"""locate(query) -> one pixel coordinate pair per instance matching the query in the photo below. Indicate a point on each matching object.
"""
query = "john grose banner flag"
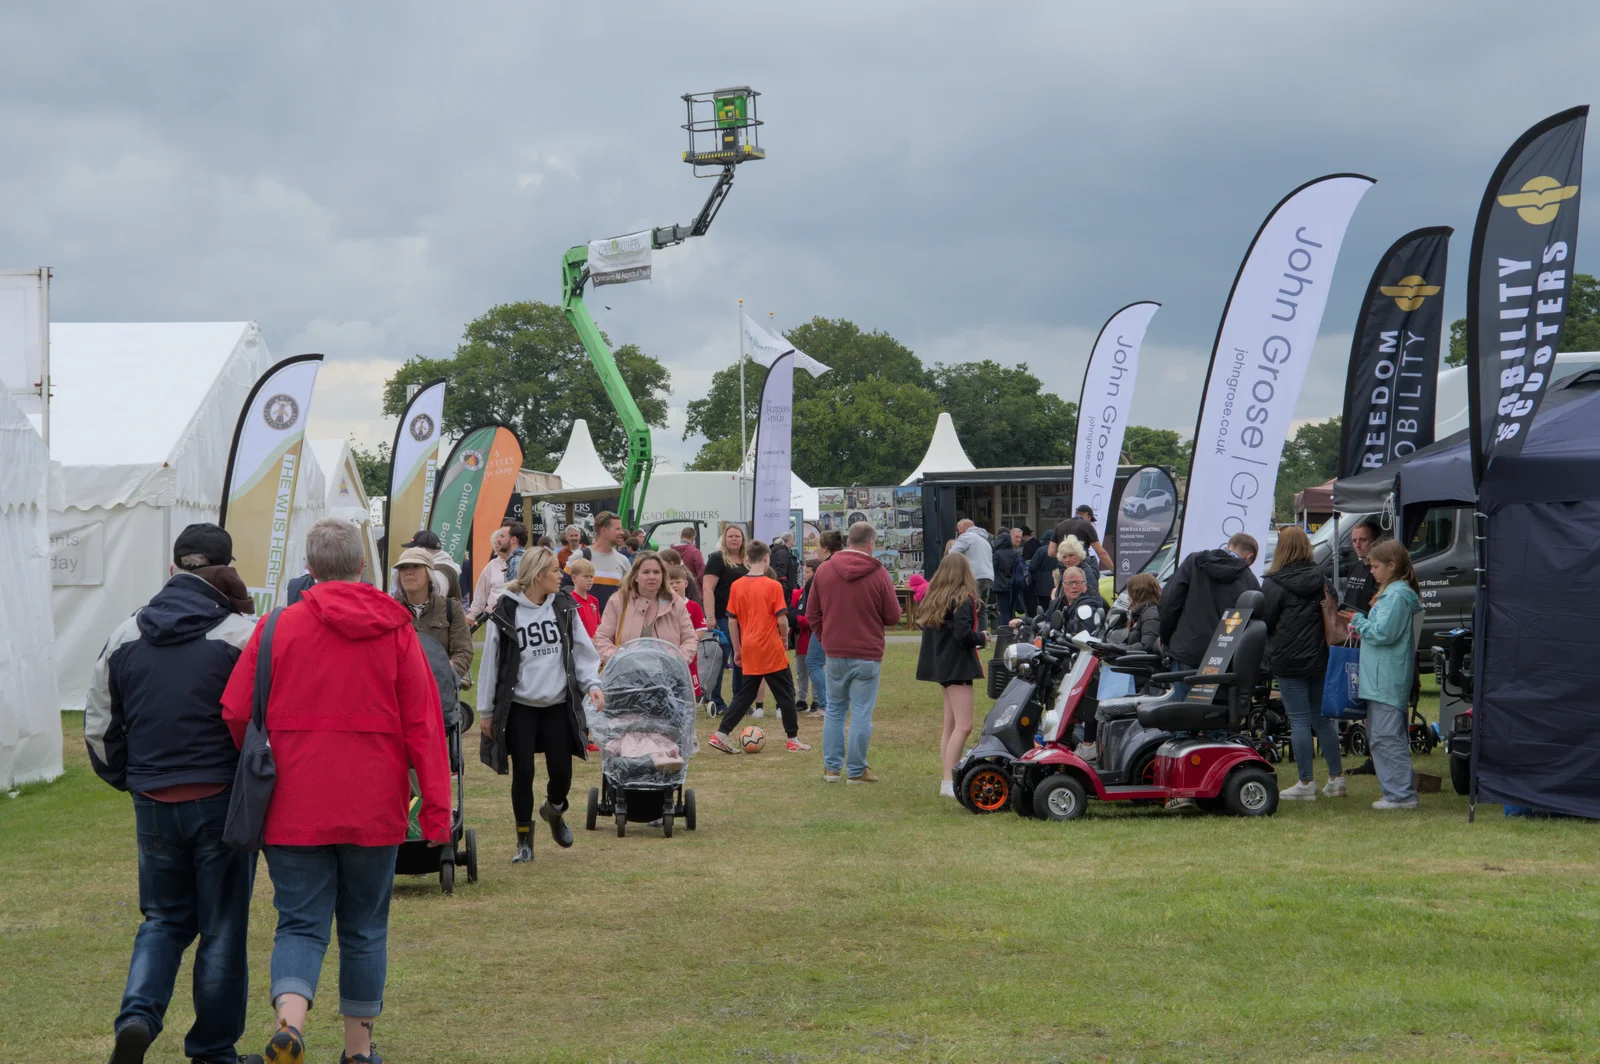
(1258, 362)
(1524, 248)
(1392, 386)
(413, 463)
(1103, 404)
(262, 473)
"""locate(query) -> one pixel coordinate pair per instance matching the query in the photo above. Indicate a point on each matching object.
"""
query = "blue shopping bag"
(1341, 687)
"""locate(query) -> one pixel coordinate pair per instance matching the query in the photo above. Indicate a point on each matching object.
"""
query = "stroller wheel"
(688, 809)
(472, 855)
(447, 877)
(593, 812)
(622, 825)
(666, 826)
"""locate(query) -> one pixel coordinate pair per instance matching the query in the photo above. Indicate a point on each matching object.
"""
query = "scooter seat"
(1117, 709)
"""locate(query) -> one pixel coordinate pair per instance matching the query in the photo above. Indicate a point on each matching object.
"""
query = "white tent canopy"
(945, 453)
(30, 722)
(580, 468)
(141, 420)
(803, 497)
(345, 497)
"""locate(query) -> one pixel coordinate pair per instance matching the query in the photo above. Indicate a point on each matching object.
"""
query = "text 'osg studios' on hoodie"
(541, 674)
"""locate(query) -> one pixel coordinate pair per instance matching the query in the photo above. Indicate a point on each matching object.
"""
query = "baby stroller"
(416, 857)
(646, 738)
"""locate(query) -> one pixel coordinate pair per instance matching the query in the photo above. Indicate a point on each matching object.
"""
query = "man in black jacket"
(1207, 583)
(153, 725)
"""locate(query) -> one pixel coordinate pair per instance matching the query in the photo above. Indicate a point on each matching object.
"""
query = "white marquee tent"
(30, 721)
(945, 453)
(345, 496)
(141, 420)
(580, 468)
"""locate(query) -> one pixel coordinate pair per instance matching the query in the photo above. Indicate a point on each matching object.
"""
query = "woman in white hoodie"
(538, 663)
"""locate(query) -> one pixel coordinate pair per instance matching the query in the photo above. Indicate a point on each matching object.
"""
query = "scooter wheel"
(1250, 792)
(1059, 797)
(1460, 774)
(985, 788)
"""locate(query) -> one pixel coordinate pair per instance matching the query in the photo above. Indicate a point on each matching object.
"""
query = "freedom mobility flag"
(1393, 382)
(263, 469)
(1103, 404)
(1145, 513)
(1524, 248)
(1258, 362)
(413, 462)
(494, 495)
(456, 490)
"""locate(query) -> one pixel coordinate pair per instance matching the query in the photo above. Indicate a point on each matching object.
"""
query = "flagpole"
(744, 441)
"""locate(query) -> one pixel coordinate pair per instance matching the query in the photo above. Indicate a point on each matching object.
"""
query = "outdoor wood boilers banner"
(1524, 249)
(494, 495)
(1103, 405)
(1393, 385)
(456, 491)
(1259, 362)
(263, 470)
(414, 461)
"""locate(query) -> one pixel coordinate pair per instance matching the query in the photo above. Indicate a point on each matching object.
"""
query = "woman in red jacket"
(353, 708)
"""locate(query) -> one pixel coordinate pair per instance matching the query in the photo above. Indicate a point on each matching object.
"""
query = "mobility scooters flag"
(263, 469)
(1524, 250)
(1103, 404)
(1258, 362)
(1393, 382)
(413, 463)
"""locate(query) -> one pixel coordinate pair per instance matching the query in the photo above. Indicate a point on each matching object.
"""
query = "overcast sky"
(979, 180)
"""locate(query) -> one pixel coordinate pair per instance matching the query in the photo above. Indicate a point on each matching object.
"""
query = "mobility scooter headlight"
(1017, 653)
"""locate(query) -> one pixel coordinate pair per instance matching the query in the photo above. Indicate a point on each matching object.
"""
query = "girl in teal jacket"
(1387, 658)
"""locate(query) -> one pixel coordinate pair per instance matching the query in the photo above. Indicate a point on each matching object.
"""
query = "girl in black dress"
(951, 641)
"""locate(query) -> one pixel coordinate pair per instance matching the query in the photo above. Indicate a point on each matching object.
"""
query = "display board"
(895, 510)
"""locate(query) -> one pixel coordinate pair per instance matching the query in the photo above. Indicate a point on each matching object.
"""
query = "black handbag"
(256, 774)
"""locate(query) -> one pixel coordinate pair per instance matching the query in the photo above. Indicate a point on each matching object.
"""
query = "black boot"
(558, 826)
(132, 1039)
(524, 844)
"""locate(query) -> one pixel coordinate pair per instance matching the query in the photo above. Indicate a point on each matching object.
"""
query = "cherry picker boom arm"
(574, 276)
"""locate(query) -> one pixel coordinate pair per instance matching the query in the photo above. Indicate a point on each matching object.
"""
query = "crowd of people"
(345, 680)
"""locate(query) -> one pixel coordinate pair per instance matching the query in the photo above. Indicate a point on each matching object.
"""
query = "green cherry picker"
(723, 132)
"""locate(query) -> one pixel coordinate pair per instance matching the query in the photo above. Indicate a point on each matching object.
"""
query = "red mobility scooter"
(1219, 774)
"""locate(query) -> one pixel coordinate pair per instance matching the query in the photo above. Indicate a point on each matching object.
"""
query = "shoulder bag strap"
(264, 670)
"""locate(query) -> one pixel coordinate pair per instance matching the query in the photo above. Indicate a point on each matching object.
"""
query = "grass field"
(812, 922)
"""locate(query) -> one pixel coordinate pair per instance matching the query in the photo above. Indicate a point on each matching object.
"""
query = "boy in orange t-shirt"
(758, 628)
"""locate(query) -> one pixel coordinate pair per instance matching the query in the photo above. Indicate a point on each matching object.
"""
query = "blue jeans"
(852, 687)
(816, 664)
(1180, 690)
(727, 667)
(313, 884)
(1389, 739)
(1302, 701)
(191, 884)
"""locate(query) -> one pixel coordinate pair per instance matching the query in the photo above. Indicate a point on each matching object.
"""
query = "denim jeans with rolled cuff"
(313, 886)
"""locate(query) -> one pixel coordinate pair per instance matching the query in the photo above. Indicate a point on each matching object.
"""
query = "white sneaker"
(1304, 791)
(947, 789)
(1335, 788)
(1384, 803)
(760, 713)
(1180, 804)
(1088, 751)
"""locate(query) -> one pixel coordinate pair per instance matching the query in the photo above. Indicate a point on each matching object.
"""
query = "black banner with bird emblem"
(1392, 386)
(1524, 248)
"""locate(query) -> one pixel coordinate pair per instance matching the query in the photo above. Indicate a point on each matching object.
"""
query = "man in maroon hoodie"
(852, 600)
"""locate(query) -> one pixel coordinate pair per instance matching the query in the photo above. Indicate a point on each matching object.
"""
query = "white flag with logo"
(1259, 363)
(774, 453)
(263, 471)
(765, 347)
(620, 259)
(414, 462)
(1103, 405)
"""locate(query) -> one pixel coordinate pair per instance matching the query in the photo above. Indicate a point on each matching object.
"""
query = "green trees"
(522, 363)
(1310, 456)
(1163, 447)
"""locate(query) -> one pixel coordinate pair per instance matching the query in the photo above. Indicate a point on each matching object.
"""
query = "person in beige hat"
(433, 614)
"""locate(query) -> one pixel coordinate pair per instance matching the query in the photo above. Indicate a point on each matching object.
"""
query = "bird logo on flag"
(1540, 199)
(1409, 292)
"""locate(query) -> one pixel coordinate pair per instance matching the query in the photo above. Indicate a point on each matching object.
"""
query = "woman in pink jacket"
(645, 607)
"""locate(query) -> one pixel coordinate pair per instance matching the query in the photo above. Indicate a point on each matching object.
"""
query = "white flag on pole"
(764, 346)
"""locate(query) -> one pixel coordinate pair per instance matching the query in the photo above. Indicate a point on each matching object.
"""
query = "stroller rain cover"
(646, 730)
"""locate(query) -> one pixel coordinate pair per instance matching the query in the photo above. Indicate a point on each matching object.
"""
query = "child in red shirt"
(678, 582)
(581, 570)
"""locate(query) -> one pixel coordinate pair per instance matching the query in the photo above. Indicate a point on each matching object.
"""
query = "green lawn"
(814, 922)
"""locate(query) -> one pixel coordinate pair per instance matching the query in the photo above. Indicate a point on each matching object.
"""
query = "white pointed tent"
(945, 453)
(141, 420)
(580, 468)
(345, 497)
(30, 718)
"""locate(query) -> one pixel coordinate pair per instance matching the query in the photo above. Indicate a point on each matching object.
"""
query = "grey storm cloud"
(981, 181)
